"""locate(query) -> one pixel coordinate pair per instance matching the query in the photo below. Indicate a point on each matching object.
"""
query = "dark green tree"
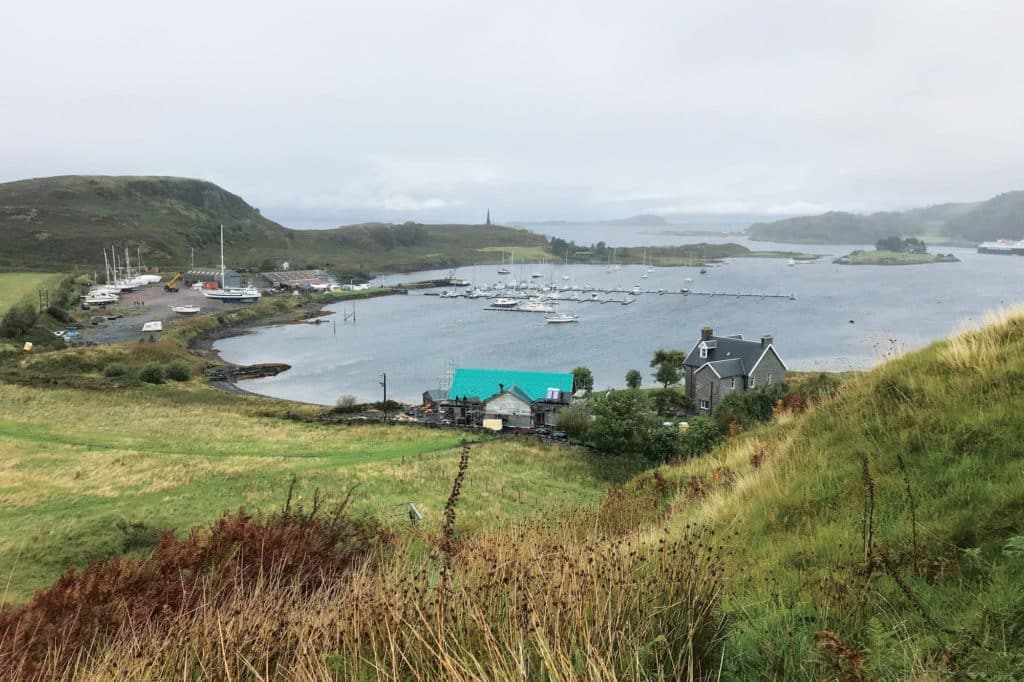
(583, 378)
(633, 378)
(667, 375)
(669, 364)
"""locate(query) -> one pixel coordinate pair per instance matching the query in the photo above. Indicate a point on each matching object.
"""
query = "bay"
(843, 317)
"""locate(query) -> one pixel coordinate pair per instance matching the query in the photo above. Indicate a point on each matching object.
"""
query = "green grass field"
(76, 465)
(14, 286)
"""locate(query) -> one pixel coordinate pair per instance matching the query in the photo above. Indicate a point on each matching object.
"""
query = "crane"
(172, 284)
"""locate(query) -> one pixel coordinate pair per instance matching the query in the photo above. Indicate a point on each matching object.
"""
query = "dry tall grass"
(561, 598)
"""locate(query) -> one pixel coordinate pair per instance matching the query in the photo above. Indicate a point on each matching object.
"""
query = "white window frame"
(769, 377)
(732, 383)
(752, 381)
(705, 404)
(703, 352)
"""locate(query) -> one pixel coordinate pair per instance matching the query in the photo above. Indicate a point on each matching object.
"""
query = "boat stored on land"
(230, 294)
(155, 326)
(185, 309)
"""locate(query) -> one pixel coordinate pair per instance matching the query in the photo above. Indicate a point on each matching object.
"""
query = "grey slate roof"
(732, 367)
(727, 348)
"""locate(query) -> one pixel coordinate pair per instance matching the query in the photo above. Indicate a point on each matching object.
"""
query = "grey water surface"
(843, 317)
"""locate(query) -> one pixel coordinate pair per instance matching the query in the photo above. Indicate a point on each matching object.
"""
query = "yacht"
(636, 290)
(561, 318)
(504, 304)
(231, 294)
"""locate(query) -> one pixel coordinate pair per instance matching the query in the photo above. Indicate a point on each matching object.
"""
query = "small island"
(896, 251)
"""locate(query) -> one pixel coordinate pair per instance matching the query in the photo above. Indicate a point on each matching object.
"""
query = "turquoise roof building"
(481, 384)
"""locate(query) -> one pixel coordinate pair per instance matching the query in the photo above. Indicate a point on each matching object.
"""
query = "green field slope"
(66, 221)
(79, 468)
(16, 286)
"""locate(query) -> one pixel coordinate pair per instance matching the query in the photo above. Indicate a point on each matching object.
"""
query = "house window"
(769, 378)
(705, 405)
(704, 351)
(752, 382)
(732, 383)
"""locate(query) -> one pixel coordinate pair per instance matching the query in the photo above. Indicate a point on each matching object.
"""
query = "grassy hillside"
(879, 535)
(882, 535)
(968, 223)
(66, 221)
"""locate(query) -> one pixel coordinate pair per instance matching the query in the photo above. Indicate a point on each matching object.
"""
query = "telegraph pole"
(384, 383)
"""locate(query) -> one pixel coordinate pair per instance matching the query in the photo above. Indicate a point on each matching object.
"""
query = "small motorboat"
(703, 271)
(185, 309)
(156, 326)
(561, 318)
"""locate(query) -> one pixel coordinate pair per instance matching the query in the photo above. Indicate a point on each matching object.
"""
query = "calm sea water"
(844, 317)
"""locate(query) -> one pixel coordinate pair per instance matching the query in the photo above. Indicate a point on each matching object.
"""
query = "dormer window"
(703, 351)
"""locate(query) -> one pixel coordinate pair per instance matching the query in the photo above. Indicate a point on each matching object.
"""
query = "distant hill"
(999, 217)
(66, 221)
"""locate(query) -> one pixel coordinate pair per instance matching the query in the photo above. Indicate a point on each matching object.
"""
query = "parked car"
(542, 431)
(96, 319)
(560, 435)
(410, 412)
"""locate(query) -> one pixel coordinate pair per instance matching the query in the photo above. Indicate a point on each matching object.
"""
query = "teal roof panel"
(483, 383)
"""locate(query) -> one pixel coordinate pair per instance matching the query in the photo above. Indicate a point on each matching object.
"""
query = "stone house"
(720, 365)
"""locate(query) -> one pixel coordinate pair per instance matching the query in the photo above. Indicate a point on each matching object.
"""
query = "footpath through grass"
(95, 474)
(14, 286)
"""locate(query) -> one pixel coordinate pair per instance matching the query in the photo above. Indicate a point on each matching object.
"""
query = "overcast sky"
(324, 112)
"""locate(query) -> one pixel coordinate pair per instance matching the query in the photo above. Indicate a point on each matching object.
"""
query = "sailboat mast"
(222, 283)
(106, 267)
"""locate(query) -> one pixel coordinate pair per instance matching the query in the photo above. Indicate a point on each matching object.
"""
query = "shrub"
(670, 401)
(574, 421)
(115, 369)
(621, 422)
(346, 403)
(702, 435)
(18, 320)
(749, 408)
(663, 445)
(178, 370)
(152, 373)
(58, 314)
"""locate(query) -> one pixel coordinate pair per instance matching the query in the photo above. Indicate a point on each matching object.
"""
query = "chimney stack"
(766, 340)
(705, 333)
(501, 388)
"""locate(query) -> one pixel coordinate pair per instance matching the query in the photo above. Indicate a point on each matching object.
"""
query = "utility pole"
(384, 383)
